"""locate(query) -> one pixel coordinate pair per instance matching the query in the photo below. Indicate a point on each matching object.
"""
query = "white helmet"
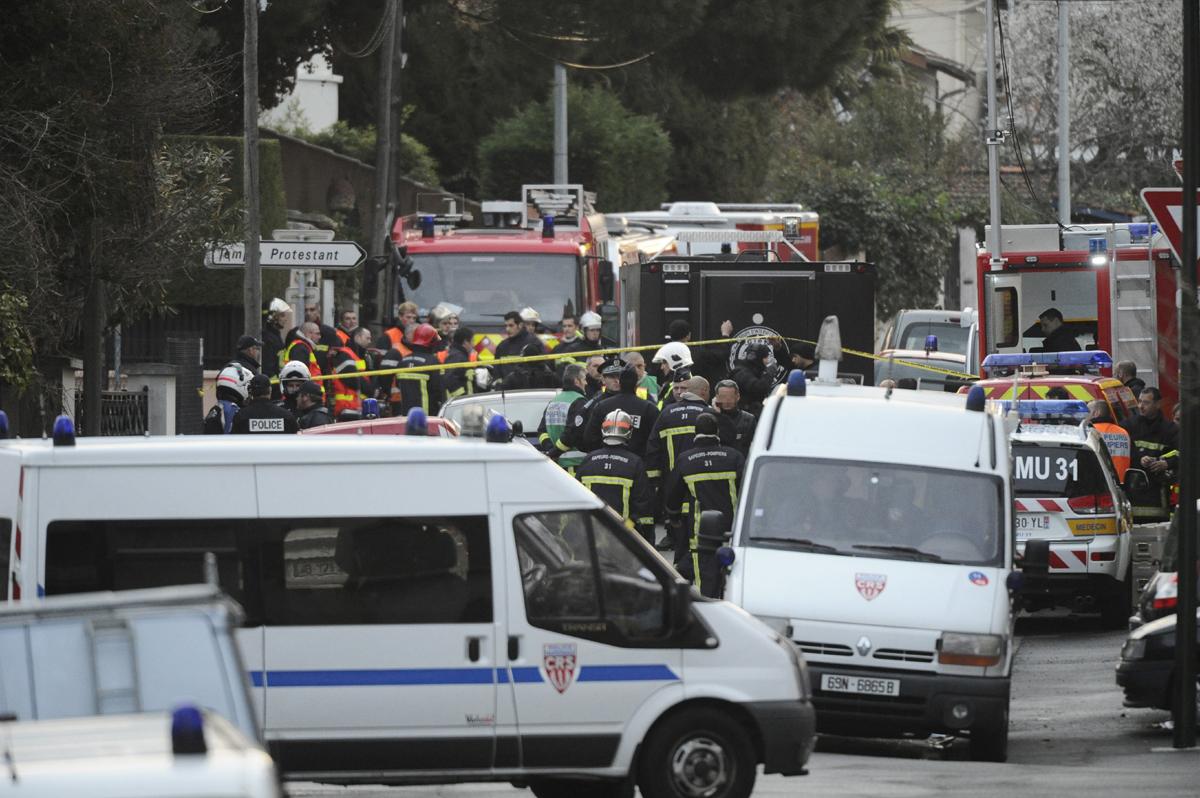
(529, 314)
(675, 354)
(278, 306)
(293, 374)
(589, 320)
(232, 383)
(617, 428)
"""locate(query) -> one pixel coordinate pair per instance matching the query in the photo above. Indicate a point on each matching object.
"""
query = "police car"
(1066, 492)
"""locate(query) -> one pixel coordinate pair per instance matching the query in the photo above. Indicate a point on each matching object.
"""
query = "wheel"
(581, 788)
(699, 753)
(990, 743)
(1117, 605)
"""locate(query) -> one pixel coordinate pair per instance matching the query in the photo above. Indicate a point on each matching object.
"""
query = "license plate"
(864, 685)
(1028, 523)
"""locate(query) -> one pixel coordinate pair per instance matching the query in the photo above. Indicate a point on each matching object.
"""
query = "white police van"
(875, 530)
(422, 610)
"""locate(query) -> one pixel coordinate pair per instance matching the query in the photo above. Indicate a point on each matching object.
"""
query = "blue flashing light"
(1086, 359)
(1142, 231)
(3, 424)
(427, 226)
(187, 731)
(417, 423)
(726, 556)
(548, 226)
(797, 384)
(498, 430)
(370, 407)
(1065, 409)
(931, 344)
(976, 398)
(64, 431)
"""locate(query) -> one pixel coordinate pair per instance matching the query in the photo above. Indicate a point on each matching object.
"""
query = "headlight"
(956, 648)
(1134, 649)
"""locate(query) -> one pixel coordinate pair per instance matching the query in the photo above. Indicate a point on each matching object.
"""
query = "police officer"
(565, 405)
(249, 352)
(674, 362)
(310, 407)
(752, 378)
(736, 425)
(706, 477)
(574, 436)
(618, 476)
(534, 374)
(291, 377)
(421, 389)
(261, 415)
(232, 385)
(1152, 435)
(642, 413)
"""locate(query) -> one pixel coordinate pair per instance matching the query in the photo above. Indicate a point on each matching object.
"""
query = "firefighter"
(709, 361)
(304, 348)
(706, 477)
(1056, 337)
(277, 321)
(423, 389)
(736, 426)
(648, 383)
(565, 405)
(672, 433)
(618, 476)
(1152, 435)
(291, 377)
(262, 416)
(674, 360)
(347, 324)
(460, 381)
(1115, 437)
(642, 413)
(349, 390)
(592, 339)
(406, 321)
(232, 385)
(752, 378)
(1126, 372)
(310, 406)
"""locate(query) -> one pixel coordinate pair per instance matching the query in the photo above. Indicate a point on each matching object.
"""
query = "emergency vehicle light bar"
(1064, 409)
(730, 235)
(1087, 359)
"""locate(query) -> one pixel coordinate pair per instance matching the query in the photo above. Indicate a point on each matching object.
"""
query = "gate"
(121, 413)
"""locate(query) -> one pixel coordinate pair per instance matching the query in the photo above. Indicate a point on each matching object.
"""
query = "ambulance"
(446, 611)
(875, 530)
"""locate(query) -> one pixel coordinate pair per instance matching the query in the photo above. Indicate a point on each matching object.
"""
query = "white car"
(1065, 491)
(524, 406)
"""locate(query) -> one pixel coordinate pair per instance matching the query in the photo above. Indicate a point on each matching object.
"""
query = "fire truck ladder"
(1135, 317)
(726, 235)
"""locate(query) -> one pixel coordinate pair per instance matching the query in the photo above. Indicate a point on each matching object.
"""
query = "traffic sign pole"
(1185, 619)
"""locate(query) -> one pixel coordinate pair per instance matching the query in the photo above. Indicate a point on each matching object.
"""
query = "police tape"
(616, 350)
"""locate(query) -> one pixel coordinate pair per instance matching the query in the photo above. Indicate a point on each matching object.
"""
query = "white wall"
(953, 29)
(313, 103)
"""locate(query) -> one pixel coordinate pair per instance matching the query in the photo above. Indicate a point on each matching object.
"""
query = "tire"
(1117, 605)
(990, 743)
(581, 788)
(700, 753)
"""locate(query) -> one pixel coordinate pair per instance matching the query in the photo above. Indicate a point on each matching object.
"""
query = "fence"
(121, 413)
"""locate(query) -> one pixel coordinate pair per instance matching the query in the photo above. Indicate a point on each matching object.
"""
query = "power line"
(381, 32)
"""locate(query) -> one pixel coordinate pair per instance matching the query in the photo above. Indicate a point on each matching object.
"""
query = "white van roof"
(921, 428)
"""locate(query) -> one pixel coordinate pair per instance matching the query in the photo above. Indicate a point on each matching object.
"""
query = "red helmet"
(424, 335)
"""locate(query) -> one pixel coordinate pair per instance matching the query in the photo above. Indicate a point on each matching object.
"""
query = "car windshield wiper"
(922, 555)
(800, 542)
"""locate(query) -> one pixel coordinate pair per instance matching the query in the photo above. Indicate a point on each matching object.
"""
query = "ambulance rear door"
(1002, 312)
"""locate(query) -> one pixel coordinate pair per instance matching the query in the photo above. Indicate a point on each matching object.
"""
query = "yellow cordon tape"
(616, 350)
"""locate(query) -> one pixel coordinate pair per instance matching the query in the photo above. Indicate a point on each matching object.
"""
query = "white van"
(875, 531)
(420, 609)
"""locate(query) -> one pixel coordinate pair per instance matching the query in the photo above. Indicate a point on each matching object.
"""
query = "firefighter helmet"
(675, 354)
(424, 335)
(617, 428)
(590, 320)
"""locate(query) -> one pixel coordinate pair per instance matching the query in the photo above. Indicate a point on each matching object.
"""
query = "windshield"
(875, 510)
(1059, 471)
(487, 286)
(526, 408)
(952, 338)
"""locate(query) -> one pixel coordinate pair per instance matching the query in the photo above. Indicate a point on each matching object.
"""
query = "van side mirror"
(714, 531)
(1037, 557)
(679, 606)
(1136, 480)
(518, 428)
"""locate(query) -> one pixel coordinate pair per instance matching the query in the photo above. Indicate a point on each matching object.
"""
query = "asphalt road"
(1069, 736)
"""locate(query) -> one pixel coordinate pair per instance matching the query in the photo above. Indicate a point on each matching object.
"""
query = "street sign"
(1166, 206)
(288, 255)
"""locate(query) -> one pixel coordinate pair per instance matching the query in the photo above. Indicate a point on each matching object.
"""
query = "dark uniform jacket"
(1151, 437)
(272, 338)
(707, 477)
(754, 384)
(261, 415)
(512, 346)
(672, 435)
(576, 427)
(618, 477)
(455, 380)
(736, 429)
(423, 389)
(643, 413)
(1061, 340)
(315, 417)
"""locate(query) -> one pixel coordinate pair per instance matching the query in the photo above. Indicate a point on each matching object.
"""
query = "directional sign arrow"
(1166, 206)
(288, 255)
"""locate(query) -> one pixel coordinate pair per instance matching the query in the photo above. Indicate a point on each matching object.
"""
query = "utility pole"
(993, 136)
(560, 124)
(1064, 116)
(383, 162)
(252, 277)
(1189, 391)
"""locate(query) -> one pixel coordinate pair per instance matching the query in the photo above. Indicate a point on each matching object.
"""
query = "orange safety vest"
(314, 367)
(345, 397)
(396, 336)
(1119, 446)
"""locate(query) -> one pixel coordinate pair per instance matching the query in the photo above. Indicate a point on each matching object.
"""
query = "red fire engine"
(1114, 284)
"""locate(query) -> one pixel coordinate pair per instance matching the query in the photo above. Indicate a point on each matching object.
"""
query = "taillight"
(1093, 504)
(1166, 592)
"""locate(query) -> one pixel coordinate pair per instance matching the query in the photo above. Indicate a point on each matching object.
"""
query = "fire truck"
(1114, 284)
(790, 230)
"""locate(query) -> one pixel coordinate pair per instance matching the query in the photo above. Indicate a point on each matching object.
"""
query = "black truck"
(761, 297)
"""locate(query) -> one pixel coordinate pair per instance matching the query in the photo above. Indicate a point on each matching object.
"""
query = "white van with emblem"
(875, 531)
(443, 611)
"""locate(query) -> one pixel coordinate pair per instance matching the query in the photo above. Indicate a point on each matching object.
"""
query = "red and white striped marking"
(1039, 506)
(1068, 560)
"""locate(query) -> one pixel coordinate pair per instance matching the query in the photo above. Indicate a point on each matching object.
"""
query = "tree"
(621, 156)
(1126, 89)
(878, 174)
(97, 210)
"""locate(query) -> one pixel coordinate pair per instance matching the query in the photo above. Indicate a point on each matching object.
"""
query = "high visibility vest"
(345, 397)
(345, 336)
(308, 356)
(556, 416)
(396, 336)
(1119, 446)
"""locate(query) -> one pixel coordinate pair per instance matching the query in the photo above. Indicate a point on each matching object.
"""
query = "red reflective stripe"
(1050, 505)
(1057, 562)
(1021, 508)
(1080, 555)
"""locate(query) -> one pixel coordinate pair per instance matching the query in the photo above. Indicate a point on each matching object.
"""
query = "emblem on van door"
(863, 646)
(559, 660)
(870, 585)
